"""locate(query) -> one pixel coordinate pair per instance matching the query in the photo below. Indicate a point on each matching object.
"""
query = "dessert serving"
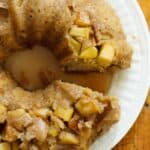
(62, 116)
(38, 110)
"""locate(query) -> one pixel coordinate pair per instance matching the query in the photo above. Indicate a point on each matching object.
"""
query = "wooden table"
(138, 137)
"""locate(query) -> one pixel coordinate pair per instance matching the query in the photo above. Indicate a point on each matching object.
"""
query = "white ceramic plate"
(131, 85)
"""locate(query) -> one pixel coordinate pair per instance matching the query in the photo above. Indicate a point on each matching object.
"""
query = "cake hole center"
(33, 68)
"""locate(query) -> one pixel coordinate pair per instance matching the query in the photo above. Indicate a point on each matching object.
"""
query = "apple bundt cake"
(81, 34)
(84, 36)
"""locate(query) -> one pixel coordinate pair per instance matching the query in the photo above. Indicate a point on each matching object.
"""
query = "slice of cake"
(63, 116)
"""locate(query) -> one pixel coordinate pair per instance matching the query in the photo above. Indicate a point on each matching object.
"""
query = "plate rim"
(143, 22)
(131, 13)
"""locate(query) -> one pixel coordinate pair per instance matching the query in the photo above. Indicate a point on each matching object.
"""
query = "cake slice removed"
(63, 116)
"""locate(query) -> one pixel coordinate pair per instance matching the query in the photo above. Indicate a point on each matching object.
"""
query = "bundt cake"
(81, 34)
(84, 36)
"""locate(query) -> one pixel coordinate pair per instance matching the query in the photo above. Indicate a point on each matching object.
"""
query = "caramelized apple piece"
(68, 138)
(5, 146)
(16, 113)
(87, 107)
(80, 32)
(89, 53)
(53, 130)
(106, 55)
(64, 113)
(75, 45)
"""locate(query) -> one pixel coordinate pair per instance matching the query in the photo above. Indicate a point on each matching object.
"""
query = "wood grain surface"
(138, 137)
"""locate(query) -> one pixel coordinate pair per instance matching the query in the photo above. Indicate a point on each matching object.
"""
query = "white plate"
(131, 85)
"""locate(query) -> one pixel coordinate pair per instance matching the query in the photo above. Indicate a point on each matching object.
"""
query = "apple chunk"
(106, 55)
(89, 53)
(87, 107)
(75, 45)
(53, 130)
(68, 138)
(5, 146)
(64, 113)
(80, 32)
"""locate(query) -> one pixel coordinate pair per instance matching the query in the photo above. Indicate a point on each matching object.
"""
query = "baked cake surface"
(62, 116)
